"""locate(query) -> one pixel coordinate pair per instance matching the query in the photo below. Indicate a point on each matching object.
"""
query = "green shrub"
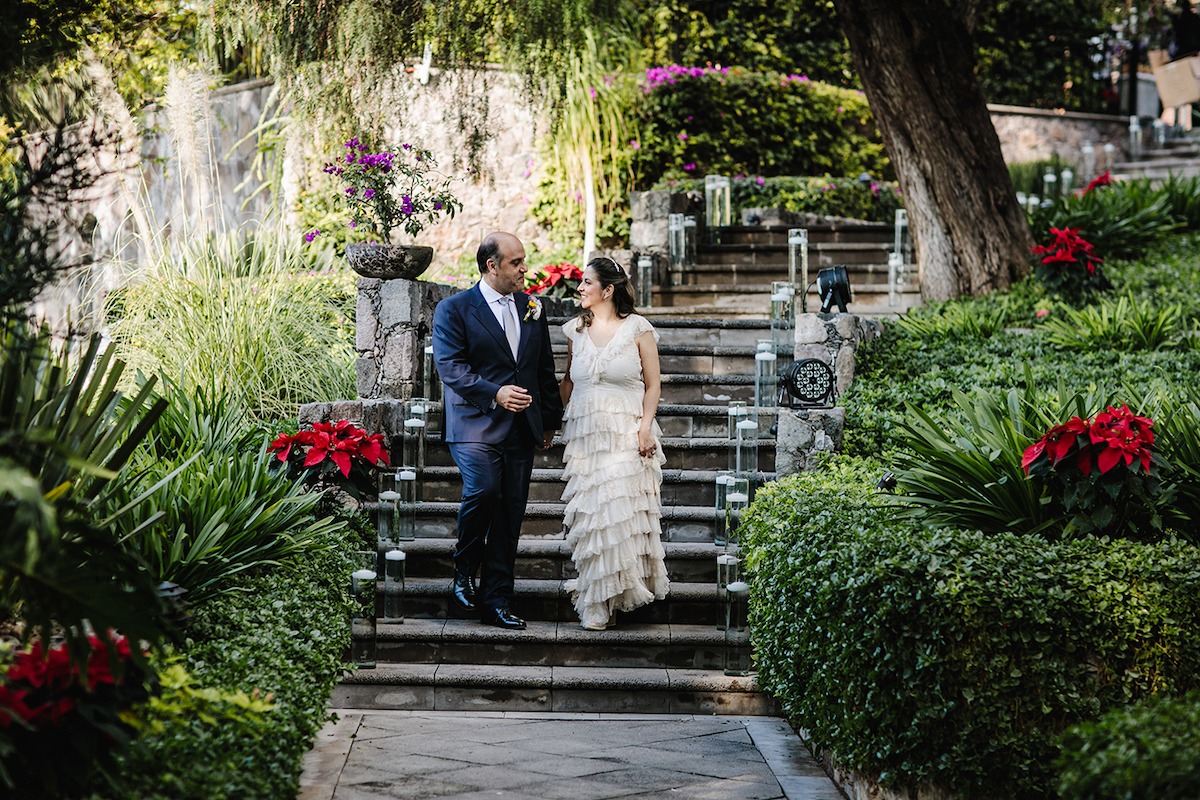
(730, 121)
(954, 320)
(1120, 220)
(1150, 748)
(955, 658)
(278, 641)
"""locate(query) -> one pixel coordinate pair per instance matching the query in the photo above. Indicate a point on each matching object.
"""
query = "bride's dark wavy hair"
(610, 273)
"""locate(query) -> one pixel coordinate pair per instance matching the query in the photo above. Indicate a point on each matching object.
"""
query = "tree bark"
(916, 62)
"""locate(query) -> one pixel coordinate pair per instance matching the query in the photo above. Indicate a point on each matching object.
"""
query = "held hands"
(513, 398)
(646, 445)
(547, 439)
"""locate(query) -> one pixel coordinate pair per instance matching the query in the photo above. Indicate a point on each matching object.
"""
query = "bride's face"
(591, 291)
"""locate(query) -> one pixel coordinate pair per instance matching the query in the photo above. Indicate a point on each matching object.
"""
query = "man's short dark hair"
(489, 249)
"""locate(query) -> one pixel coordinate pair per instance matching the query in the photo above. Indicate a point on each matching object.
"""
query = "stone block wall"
(804, 434)
(392, 319)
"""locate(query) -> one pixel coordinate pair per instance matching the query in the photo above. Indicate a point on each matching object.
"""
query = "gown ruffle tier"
(613, 494)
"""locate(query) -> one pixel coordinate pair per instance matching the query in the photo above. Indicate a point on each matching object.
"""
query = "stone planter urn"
(386, 261)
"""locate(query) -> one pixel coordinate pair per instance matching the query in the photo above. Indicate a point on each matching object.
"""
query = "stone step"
(755, 299)
(558, 644)
(714, 331)
(817, 234)
(548, 600)
(776, 254)
(469, 687)
(679, 487)
(685, 359)
(550, 559)
(437, 519)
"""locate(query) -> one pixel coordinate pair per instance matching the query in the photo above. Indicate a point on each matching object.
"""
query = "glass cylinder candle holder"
(1067, 181)
(1087, 160)
(737, 497)
(745, 450)
(728, 569)
(737, 642)
(723, 479)
(385, 515)
(1109, 152)
(645, 280)
(717, 204)
(363, 630)
(689, 240)
(405, 526)
(798, 260)
(783, 316)
(416, 414)
(676, 246)
(765, 362)
(431, 384)
(393, 585)
(736, 413)
(895, 271)
(1135, 138)
(1050, 185)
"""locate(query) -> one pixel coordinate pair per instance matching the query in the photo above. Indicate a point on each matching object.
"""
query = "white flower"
(534, 309)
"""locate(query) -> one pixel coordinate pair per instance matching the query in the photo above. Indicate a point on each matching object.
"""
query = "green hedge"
(954, 658)
(1150, 749)
(730, 121)
(281, 638)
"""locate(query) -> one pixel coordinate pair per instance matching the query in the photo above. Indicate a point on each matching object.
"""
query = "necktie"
(512, 328)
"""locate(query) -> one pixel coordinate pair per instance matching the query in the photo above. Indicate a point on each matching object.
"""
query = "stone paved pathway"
(531, 756)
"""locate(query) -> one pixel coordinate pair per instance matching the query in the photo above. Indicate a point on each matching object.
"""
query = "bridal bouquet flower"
(337, 454)
(396, 188)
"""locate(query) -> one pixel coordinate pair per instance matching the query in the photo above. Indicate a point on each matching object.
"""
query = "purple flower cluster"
(794, 77)
(670, 74)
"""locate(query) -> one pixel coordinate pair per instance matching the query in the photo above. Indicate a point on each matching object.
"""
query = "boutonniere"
(533, 310)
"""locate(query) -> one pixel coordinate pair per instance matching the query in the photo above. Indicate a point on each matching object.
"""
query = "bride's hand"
(646, 446)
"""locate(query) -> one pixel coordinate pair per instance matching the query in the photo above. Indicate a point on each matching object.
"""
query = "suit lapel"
(484, 316)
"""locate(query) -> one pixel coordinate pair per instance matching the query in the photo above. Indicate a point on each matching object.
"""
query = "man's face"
(508, 268)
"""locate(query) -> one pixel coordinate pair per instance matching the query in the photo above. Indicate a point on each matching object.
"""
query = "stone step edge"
(556, 589)
(437, 508)
(670, 476)
(553, 677)
(427, 546)
(422, 629)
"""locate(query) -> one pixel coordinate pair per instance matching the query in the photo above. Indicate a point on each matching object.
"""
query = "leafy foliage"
(243, 316)
(953, 657)
(1120, 220)
(1150, 748)
(221, 509)
(260, 664)
(1124, 324)
(732, 121)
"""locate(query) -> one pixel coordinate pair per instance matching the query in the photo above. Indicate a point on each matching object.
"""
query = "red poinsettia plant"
(1102, 465)
(1069, 265)
(555, 280)
(61, 717)
(337, 454)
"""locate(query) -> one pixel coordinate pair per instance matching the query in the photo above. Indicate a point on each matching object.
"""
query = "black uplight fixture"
(808, 383)
(833, 286)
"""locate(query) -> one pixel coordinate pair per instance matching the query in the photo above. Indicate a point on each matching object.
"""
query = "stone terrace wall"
(1031, 134)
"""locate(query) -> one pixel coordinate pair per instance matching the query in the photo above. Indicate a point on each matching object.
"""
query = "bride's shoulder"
(639, 325)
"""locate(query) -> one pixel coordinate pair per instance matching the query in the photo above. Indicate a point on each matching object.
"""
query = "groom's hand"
(513, 398)
(547, 439)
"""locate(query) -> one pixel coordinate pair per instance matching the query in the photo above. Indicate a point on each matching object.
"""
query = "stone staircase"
(733, 277)
(1177, 157)
(667, 657)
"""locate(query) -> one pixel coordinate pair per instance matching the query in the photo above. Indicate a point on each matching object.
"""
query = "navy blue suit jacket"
(474, 360)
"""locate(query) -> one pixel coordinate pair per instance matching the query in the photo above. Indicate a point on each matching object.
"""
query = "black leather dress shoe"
(462, 591)
(502, 618)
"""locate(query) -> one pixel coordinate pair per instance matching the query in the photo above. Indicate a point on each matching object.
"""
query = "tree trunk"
(916, 61)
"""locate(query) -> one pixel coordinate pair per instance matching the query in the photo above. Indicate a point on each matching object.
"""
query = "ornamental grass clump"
(1101, 470)
(392, 189)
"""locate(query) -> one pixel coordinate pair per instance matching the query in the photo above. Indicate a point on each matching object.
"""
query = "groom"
(492, 351)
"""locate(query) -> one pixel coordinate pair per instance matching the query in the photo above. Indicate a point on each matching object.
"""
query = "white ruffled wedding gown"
(613, 494)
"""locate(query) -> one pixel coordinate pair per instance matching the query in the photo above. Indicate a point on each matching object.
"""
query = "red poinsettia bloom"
(341, 442)
(1056, 443)
(1124, 437)
(552, 275)
(1098, 181)
(37, 685)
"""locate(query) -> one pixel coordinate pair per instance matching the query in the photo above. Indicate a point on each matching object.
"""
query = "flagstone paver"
(370, 755)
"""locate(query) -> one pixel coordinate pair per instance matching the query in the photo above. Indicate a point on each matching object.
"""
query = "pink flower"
(683, 136)
(760, 180)
(314, 233)
(691, 165)
(634, 144)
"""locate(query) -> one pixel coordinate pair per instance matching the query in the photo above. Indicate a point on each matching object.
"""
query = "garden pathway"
(541, 756)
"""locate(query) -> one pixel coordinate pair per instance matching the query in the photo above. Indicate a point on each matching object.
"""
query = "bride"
(613, 456)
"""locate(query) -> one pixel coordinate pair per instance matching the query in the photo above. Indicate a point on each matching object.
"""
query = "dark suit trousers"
(495, 490)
